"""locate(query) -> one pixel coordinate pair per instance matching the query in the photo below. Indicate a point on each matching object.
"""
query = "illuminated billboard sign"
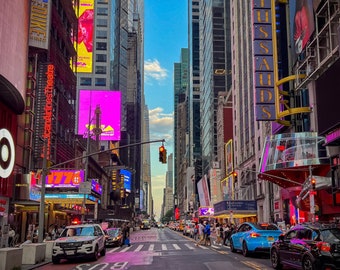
(109, 104)
(84, 46)
(96, 187)
(61, 178)
(127, 179)
(263, 61)
(206, 211)
(302, 23)
(39, 29)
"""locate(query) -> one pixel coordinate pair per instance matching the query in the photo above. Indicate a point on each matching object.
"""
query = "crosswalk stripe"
(189, 246)
(151, 247)
(176, 246)
(125, 249)
(113, 250)
(139, 247)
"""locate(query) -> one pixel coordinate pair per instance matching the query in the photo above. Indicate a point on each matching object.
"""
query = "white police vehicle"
(78, 241)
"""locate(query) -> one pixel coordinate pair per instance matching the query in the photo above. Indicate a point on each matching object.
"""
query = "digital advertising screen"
(127, 179)
(108, 103)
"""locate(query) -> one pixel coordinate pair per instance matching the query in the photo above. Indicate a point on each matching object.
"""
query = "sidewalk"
(34, 266)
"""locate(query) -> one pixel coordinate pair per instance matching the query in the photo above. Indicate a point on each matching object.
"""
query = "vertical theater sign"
(272, 102)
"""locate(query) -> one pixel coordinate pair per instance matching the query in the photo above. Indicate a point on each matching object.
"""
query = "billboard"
(126, 175)
(40, 18)
(109, 104)
(203, 191)
(302, 23)
(84, 45)
(60, 178)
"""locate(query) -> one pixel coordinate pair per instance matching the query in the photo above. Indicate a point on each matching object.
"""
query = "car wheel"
(307, 263)
(103, 252)
(55, 260)
(275, 259)
(245, 251)
(232, 248)
(95, 254)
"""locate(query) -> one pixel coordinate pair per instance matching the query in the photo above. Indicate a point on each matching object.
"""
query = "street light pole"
(42, 195)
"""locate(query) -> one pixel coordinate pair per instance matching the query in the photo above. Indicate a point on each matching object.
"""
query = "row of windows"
(88, 81)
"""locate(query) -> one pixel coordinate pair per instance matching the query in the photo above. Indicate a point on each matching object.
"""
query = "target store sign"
(7, 153)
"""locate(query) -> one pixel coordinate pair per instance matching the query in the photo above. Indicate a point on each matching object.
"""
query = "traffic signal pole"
(45, 168)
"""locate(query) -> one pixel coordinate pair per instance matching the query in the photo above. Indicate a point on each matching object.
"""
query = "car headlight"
(88, 242)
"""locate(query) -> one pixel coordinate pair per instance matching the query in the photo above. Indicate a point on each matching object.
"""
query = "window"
(100, 82)
(102, 22)
(101, 58)
(100, 70)
(101, 34)
(101, 46)
(102, 11)
(85, 81)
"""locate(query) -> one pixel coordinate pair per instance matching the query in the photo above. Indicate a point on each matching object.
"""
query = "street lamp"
(42, 194)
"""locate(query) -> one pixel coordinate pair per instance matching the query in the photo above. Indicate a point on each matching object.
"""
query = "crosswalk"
(155, 247)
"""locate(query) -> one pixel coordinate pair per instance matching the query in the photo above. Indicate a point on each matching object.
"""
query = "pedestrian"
(200, 239)
(207, 232)
(55, 232)
(196, 231)
(11, 234)
(126, 235)
(218, 232)
(28, 241)
(227, 231)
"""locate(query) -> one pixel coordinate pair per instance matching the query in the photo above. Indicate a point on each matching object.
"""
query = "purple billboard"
(103, 108)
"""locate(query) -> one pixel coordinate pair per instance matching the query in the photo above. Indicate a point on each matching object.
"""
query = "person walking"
(200, 239)
(11, 234)
(207, 232)
(126, 235)
(218, 233)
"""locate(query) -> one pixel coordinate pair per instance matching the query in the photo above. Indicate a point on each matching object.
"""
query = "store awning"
(294, 176)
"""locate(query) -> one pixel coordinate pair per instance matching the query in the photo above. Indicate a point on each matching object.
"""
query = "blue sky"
(165, 33)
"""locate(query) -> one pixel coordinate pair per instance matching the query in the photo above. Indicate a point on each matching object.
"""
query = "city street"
(166, 249)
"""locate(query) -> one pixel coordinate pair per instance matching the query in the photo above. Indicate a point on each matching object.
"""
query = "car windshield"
(266, 226)
(78, 231)
(330, 235)
(113, 232)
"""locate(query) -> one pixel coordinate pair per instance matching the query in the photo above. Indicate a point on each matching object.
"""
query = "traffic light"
(313, 182)
(162, 154)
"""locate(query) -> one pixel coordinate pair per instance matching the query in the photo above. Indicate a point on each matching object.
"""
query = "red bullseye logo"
(7, 153)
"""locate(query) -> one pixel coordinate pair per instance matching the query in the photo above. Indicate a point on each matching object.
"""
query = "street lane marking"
(139, 247)
(176, 246)
(125, 249)
(151, 247)
(164, 247)
(189, 246)
(113, 250)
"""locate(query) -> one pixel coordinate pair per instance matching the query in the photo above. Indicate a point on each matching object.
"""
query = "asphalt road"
(164, 249)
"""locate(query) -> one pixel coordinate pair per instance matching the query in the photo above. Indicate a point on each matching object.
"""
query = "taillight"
(254, 235)
(323, 246)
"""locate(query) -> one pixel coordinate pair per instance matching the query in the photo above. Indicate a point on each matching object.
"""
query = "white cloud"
(153, 70)
(161, 124)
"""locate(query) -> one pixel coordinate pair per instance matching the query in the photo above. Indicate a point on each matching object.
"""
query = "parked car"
(188, 229)
(254, 237)
(307, 247)
(77, 241)
(113, 237)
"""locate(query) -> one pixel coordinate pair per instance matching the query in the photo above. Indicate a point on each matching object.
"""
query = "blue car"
(254, 237)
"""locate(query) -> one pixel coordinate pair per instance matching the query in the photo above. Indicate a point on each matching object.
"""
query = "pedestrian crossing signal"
(162, 154)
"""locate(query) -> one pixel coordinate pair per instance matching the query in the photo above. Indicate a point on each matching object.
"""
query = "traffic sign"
(85, 187)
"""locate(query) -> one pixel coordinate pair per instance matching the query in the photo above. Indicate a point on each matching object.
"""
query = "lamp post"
(42, 195)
